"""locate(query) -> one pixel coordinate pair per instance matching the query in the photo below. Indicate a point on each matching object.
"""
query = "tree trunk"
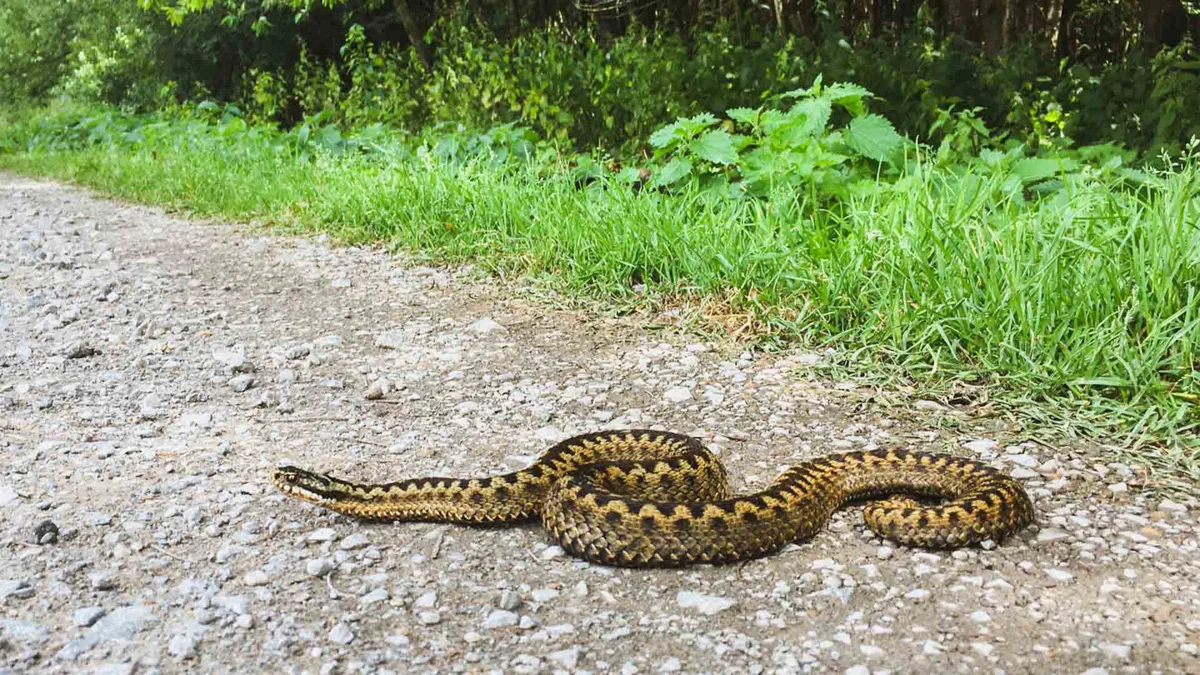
(1164, 22)
(1063, 40)
(416, 36)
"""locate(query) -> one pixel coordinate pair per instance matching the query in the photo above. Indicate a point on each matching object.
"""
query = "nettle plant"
(825, 142)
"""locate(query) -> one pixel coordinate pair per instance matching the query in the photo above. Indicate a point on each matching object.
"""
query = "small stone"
(429, 617)
(241, 383)
(101, 581)
(1050, 534)
(46, 532)
(318, 567)
(1027, 461)
(500, 618)
(484, 325)
(980, 616)
(79, 350)
(567, 658)
(353, 542)
(8, 495)
(26, 633)
(86, 616)
(1168, 505)
(1118, 488)
(228, 552)
(378, 389)
(982, 648)
(323, 534)
(552, 552)
(43, 403)
(297, 351)
(981, 446)
(256, 578)
(678, 394)
(1021, 473)
(374, 597)
(884, 552)
(859, 669)
(508, 600)
(182, 646)
(705, 604)
(671, 665)
(234, 361)
(1059, 575)
(917, 595)
(1115, 651)
(341, 634)
(390, 339)
(427, 600)
(545, 594)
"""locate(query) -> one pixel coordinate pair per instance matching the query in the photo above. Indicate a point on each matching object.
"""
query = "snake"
(647, 498)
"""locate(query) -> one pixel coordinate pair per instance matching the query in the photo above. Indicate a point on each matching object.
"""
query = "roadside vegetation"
(937, 210)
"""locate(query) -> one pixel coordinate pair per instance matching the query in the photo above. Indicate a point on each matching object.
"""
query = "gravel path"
(153, 370)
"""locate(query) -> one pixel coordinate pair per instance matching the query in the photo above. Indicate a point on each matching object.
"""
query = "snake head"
(303, 484)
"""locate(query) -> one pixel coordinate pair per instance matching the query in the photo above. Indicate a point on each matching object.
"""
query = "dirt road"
(154, 369)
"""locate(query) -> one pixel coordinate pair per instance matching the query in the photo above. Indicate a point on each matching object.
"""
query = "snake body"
(642, 498)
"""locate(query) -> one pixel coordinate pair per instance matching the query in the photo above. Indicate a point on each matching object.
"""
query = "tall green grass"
(1086, 301)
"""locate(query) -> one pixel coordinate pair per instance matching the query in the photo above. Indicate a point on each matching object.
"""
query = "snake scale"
(641, 498)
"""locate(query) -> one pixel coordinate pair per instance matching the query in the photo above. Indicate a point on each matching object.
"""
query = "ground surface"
(153, 370)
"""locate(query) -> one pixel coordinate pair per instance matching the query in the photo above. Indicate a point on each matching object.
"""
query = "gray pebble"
(86, 616)
(15, 588)
(508, 600)
(46, 532)
(500, 618)
(354, 541)
(79, 350)
(429, 617)
(319, 567)
(101, 581)
(182, 646)
(323, 534)
(341, 634)
(241, 383)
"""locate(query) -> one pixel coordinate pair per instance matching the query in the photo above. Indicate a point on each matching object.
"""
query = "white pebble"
(705, 604)
(354, 541)
(341, 634)
(678, 394)
(1059, 575)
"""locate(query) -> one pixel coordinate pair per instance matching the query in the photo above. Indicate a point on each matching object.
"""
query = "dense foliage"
(1081, 71)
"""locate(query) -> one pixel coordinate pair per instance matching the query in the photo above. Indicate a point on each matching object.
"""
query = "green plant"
(803, 147)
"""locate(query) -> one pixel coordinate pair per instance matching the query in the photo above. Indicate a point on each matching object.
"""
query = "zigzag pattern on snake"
(642, 498)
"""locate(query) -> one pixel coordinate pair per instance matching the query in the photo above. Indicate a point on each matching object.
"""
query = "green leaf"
(873, 136)
(848, 95)
(748, 116)
(717, 147)
(665, 136)
(1033, 169)
(1102, 381)
(673, 171)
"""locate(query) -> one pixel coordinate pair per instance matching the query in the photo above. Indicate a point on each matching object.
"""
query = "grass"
(1082, 306)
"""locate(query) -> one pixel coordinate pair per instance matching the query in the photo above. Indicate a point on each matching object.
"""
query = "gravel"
(172, 553)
